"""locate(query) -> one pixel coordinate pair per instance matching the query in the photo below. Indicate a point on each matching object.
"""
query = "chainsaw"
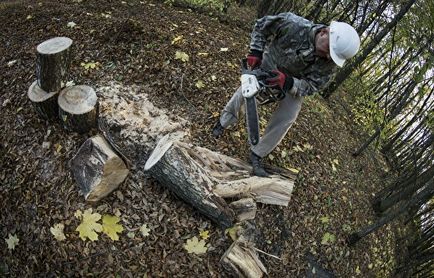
(255, 90)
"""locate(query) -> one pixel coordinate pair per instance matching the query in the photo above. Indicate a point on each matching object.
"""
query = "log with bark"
(97, 169)
(45, 103)
(203, 178)
(52, 63)
(78, 108)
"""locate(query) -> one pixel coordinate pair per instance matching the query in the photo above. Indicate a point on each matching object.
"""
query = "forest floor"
(133, 43)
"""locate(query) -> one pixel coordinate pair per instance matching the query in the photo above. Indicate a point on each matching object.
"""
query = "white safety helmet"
(344, 42)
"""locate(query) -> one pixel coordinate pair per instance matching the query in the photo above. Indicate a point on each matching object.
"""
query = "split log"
(244, 209)
(203, 178)
(45, 103)
(52, 63)
(97, 169)
(174, 167)
(78, 108)
(243, 259)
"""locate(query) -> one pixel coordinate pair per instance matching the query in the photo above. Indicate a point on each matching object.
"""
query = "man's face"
(322, 43)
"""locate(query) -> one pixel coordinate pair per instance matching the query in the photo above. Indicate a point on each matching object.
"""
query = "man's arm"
(268, 27)
(314, 81)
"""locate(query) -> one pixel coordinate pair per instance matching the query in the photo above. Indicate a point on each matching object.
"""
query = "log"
(45, 103)
(203, 178)
(244, 209)
(97, 169)
(243, 259)
(53, 59)
(78, 108)
(173, 166)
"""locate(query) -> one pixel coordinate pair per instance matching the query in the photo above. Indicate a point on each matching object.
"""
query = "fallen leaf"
(110, 226)
(145, 230)
(295, 171)
(89, 226)
(224, 49)
(328, 238)
(71, 24)
(233, 232)
(177, 39)
(29, 17)
(196, 246)
(12, 241)
(203, 54)
(179, 55)
(57, 231)
(324, 220)
(204, 234)
(200, 84)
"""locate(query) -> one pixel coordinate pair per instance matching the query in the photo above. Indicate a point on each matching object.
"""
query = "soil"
(132, 43)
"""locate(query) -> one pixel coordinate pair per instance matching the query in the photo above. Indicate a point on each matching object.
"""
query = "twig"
(260, 251)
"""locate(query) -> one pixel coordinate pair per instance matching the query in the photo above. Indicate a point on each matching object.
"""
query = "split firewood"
(244, 209)
(78, 108)
(45, 103)
(52, 64)
(243, 259)
(97, 169)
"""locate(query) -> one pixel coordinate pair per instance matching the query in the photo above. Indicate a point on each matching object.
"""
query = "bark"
(44, 103)
(203, 178)
(78, 108)
(347, 70)
(52, 64)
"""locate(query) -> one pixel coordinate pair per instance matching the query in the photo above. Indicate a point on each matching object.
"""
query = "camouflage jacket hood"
(288, 44)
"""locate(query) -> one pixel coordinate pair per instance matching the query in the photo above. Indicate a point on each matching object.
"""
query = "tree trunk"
(347, 70)
(78, 108)
(203, 178)
(420, 198)
(52, 63)
(44, 103)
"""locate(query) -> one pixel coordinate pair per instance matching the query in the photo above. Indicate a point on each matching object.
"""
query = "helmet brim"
(332, 39)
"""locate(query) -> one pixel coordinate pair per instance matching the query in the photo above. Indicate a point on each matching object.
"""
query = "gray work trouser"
(279, 124)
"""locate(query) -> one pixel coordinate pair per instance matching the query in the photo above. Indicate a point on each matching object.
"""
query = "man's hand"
(254, 59)
(280, 80)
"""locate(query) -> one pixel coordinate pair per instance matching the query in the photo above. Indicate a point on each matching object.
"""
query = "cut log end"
(45, 103)
(78, 108)
(97, 169)
(54, 45)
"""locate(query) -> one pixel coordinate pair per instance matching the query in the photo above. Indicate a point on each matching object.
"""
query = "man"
(303, 57)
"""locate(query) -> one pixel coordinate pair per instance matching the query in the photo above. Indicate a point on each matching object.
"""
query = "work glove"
(280, 81)
(254, 59)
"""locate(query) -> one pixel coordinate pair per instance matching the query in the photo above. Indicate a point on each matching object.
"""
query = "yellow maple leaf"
(179, 55)
(204, 234)
(196, 246)
(57, 232)
(88, 227)
(110, 226)
(177, 39)
(200, 84)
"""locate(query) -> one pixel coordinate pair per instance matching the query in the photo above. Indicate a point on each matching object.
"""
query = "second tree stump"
(78, 108)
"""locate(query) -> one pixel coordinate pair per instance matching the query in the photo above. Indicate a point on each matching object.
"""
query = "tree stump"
(203, 178)
(78, 108)
(52, 63)
(45, 103)
(97, 169)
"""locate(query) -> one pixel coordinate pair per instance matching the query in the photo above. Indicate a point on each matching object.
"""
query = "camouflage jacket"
(287, 43)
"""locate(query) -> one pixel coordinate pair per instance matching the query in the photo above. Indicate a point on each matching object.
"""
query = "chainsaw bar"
(252, 120)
